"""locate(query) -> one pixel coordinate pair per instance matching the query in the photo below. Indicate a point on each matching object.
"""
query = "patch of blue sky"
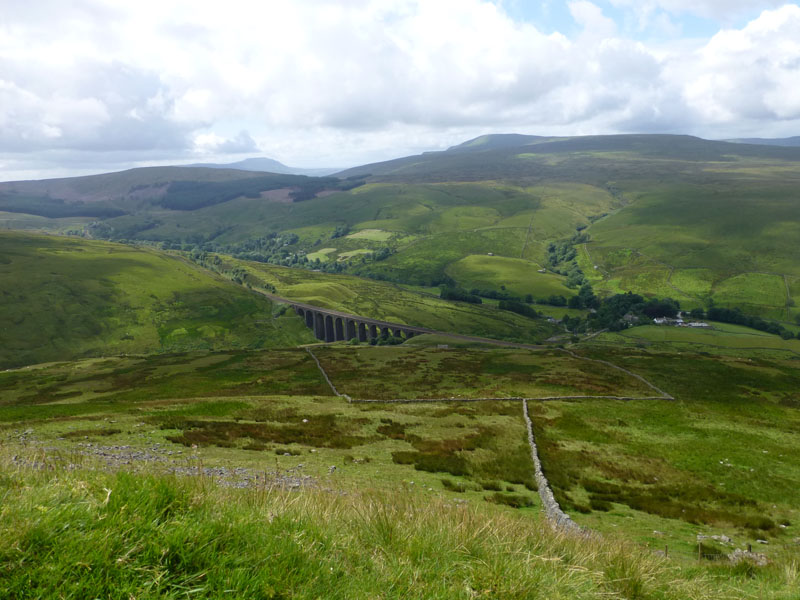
(550, 16)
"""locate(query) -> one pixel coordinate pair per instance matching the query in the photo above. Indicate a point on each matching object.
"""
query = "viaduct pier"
(334, 326)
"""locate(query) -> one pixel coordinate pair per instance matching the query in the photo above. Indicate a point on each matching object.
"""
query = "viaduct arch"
(334, 326)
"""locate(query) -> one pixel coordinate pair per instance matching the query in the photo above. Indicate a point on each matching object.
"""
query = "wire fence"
(759, 552)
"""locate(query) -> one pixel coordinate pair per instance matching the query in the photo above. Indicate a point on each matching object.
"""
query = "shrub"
(599, 504)
(492, 486)
(450, 293)
(404, 457)
(459, 486)
(512, 500)
(442, 463)
(758, 522)
(392, 430)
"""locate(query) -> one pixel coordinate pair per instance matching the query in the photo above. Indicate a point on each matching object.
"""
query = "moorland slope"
(63, 298)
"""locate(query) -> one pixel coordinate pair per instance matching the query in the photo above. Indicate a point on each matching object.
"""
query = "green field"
(722, 338)
(157, 536)
(63, 298)
(730, 240)
(375, 235)
(408, 373)
(517, 276)
(321, 254)
(140, 389)
(263, 407)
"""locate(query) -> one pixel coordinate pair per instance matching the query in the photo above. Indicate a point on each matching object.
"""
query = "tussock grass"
(87, 534)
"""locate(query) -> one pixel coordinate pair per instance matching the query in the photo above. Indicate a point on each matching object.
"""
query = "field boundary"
(508, 399)
(552, 510)
(325, 375)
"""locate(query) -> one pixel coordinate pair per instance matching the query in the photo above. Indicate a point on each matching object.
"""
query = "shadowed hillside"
(63, 298)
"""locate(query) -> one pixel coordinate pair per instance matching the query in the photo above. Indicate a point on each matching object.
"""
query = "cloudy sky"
(88, 86)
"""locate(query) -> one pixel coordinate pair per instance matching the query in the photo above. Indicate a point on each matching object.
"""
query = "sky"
(89, 86)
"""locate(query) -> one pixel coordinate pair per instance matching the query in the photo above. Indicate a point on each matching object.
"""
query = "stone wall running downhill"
(328, 379)
(551, 508)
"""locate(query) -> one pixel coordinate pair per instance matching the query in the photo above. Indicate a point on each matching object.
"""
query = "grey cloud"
(240, 144)
(97, 106)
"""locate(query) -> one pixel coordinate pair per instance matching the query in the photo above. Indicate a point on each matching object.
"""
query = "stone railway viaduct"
(333, 326)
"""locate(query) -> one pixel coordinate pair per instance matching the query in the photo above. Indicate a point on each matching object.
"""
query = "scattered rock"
(756, 558)
(717, 538)
(156, 458)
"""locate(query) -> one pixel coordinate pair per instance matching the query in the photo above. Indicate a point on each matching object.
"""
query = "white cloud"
(749, 74)
(591, 18)
(342, 82)
(213, 144)
(723, 11)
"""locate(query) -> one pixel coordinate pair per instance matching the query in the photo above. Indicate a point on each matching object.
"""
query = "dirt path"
(328, 379)
(664, 395)
(527, 237)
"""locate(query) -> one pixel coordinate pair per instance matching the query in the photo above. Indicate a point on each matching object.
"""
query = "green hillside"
(698, 220)
(731, 241)
(63, 298)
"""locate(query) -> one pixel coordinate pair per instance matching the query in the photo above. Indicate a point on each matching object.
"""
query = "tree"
(588, 299)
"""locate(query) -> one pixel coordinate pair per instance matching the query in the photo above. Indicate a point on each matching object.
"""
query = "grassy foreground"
(88, 534)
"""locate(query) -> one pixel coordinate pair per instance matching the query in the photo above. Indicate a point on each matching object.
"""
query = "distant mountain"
(140, 182)
(790, 142)
(267, 165)
(523, 159)
(140, 190)
(496, 141)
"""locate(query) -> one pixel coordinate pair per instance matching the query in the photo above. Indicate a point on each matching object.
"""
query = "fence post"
(666, 550)
(749, 547)
(699, 551)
